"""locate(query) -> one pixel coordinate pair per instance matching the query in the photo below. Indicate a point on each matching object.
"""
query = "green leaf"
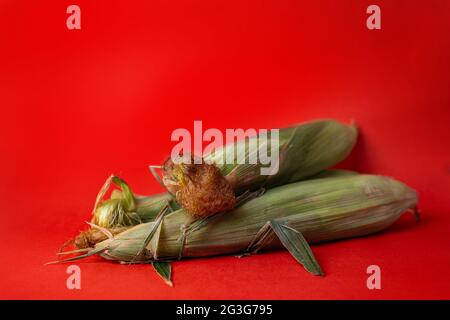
(164, 269)
(296, 244)
(127, 196)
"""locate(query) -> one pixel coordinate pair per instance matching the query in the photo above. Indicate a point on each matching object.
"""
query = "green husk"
(297, 245)
(305, 150)
(320, 209)
(164, 269)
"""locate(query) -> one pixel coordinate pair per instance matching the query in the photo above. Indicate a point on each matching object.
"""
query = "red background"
(76, 106)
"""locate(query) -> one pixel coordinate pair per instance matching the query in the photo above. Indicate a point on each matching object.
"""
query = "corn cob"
(305, 150)
(320, 209)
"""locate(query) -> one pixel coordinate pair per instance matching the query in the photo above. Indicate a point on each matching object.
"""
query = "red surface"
(76, 106)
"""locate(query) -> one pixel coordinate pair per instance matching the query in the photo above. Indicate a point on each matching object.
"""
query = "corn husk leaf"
(164, 270)
(296, 244)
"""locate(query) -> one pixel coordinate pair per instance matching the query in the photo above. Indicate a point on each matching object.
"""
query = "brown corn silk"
(199, 188)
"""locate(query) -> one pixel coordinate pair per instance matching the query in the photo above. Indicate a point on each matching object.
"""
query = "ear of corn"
(304, 150)
(147, 208)
(321, 209)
